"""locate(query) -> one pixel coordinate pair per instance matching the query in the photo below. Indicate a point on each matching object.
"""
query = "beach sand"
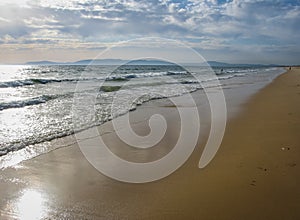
(254, 175)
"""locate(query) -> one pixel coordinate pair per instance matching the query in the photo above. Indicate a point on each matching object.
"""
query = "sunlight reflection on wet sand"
(31, 205)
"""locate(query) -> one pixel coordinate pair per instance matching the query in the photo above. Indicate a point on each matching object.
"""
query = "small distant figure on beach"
(290, 68)
(222, 70)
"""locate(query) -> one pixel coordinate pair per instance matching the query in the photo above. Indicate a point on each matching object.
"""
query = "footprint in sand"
(292, 164)
(261, 168)
(253, 183)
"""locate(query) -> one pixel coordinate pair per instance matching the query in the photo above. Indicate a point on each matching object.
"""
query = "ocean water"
(36, 102)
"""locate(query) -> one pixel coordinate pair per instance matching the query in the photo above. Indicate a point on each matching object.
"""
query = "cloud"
(214, 25)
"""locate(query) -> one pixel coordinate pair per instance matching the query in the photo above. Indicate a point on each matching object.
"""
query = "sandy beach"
(255, 174)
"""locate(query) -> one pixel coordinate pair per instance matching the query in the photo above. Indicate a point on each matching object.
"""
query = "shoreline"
(31, 151)
(253, 176)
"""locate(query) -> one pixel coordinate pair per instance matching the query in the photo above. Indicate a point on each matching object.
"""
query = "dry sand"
(255, 174)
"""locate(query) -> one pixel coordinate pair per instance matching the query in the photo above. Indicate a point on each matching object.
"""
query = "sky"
(234, 31)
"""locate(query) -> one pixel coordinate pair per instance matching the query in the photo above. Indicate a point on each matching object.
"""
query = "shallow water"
(37, 102)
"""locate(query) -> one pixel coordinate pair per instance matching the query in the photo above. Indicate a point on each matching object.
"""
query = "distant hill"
(141, 62)
(149, 62)
(99, 62)
(120, 62)
(42, 63)
(103, 62)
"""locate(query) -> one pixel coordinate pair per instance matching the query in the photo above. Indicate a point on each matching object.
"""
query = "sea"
(37, 102)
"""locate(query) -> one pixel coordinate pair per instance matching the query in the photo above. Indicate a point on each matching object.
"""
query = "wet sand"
(255, 174)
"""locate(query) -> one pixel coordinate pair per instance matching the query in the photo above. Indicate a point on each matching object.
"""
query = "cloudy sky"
(236, 31)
